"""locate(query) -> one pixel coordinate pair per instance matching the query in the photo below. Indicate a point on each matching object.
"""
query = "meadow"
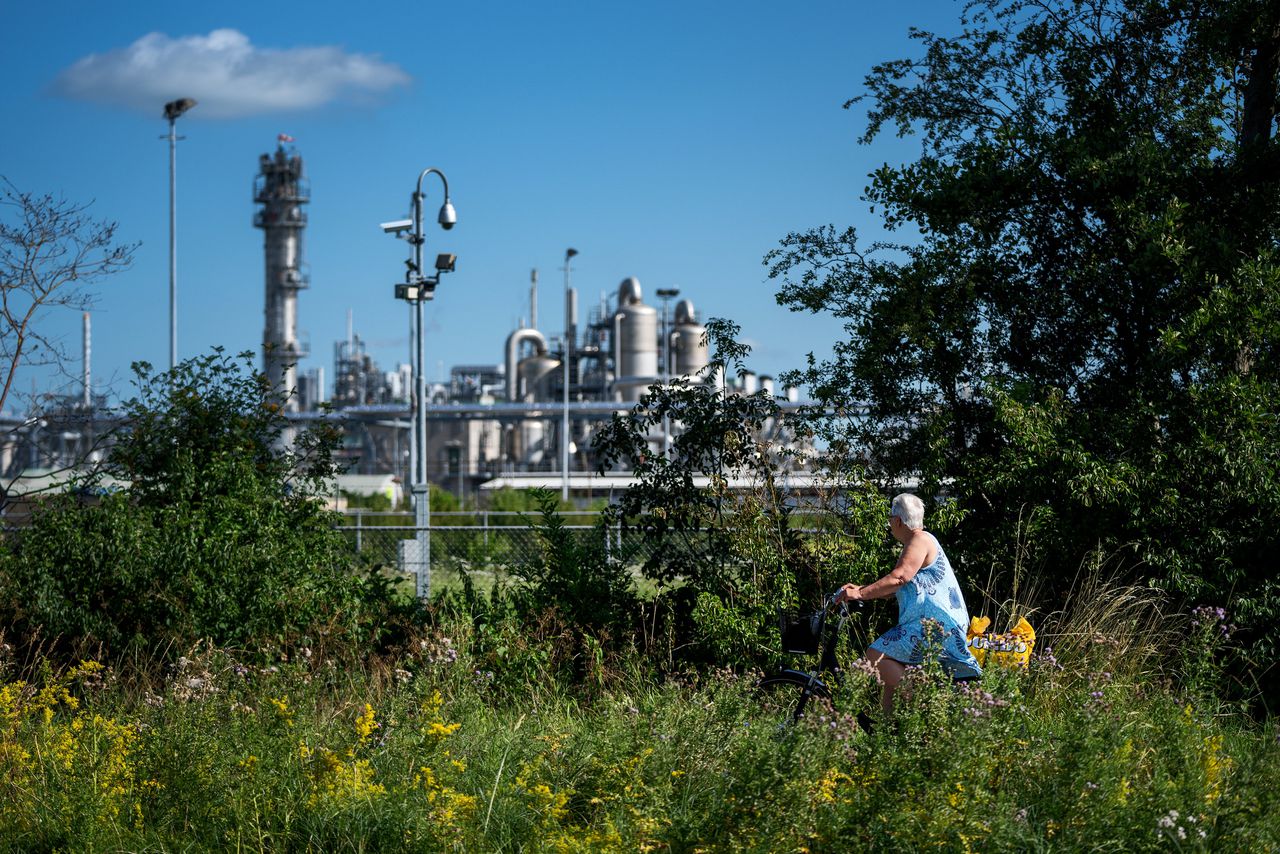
(470, 737)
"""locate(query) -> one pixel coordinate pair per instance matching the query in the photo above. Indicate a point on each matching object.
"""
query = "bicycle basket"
(801, 633)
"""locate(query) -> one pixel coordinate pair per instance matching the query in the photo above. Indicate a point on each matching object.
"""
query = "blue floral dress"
(933, 594)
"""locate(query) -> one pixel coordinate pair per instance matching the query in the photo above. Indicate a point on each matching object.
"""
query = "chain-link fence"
(493, 544)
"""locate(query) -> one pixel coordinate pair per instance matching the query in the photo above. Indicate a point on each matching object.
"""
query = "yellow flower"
(283, 710)
(336, 783)
(439, 729)
(1216, 766)
(365, 724)
(824, 789)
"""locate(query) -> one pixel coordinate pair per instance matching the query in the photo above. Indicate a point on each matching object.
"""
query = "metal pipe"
(533, 298)
(570, 320)
(88, 344)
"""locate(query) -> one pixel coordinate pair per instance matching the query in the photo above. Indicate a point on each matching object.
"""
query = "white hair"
(909, 509)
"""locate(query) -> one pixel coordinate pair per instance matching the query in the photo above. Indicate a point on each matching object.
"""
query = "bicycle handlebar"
(834, 598)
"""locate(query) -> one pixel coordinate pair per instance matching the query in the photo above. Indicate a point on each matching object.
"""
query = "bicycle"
(808, 634)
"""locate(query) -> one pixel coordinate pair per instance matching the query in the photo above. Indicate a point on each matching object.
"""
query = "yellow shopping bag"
(1011, 649)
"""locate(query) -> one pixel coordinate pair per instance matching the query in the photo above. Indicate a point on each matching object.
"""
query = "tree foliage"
(720, 435)
(220, 533)
(1076, 321)
(716, 520)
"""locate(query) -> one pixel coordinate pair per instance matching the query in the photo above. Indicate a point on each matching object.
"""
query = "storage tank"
(691, 353)
(515, 342)
(636, 341)
(536, 373)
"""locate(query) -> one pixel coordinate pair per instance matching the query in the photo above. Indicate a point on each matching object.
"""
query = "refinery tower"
(282, 191)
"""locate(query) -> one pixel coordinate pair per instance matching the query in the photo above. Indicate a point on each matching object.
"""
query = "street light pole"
(666, 294)
(172, 111)
(568, 351)
(419, 288)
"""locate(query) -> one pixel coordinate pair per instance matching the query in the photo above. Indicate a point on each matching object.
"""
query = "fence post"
(359, 533)
(485, 517)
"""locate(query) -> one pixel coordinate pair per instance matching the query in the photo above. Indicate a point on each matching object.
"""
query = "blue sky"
(672, 142)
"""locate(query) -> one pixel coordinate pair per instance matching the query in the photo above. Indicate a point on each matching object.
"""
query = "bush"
(220, 534)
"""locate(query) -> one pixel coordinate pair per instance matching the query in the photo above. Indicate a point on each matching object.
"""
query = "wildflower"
(365, 723)
(337, 782)
(281, 705)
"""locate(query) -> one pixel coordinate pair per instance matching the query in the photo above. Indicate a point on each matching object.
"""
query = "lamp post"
(417, 289)
(568, 351)
(666, 294)
(172, 111)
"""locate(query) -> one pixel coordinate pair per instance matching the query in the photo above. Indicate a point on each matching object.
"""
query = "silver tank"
(536, 375)
(514, 343)
(636, 328)
(691, 354)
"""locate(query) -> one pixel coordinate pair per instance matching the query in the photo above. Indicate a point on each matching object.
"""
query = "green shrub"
(219, 534)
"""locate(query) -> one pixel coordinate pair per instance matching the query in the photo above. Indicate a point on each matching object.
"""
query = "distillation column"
(282, 191)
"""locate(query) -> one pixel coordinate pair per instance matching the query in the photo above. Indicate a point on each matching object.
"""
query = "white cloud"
(228, 75)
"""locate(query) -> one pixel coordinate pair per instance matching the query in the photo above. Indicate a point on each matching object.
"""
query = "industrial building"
(533, 409)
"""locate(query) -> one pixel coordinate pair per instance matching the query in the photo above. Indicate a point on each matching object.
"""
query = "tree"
(726, 558)
(51, 252)
(221, 533)
(1081, 330)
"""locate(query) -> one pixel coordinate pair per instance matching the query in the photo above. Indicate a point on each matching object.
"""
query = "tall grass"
(467, 741)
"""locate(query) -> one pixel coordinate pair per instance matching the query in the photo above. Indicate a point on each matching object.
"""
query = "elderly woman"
(927, 590)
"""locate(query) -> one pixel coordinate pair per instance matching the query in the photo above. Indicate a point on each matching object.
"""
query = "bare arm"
(915, 555)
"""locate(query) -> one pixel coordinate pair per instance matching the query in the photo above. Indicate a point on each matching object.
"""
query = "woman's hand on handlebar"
(849, 593)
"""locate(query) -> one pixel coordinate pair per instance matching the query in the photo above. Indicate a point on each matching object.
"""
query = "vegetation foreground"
(433, 750)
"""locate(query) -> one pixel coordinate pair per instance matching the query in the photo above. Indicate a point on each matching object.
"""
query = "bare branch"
(52, 252)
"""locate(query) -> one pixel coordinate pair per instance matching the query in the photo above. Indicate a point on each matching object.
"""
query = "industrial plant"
(526, 419)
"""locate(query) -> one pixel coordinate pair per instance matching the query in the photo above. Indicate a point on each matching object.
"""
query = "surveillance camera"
(448, 217)
(396, 226)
